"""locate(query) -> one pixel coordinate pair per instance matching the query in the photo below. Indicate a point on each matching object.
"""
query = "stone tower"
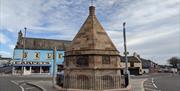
(92, 61)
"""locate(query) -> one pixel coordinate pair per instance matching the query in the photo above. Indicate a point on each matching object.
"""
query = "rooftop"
(41, 43)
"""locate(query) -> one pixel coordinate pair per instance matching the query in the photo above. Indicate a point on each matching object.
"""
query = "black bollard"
(126, 77)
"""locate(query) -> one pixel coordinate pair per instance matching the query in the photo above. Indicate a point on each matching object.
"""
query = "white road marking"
(19, 81)
(30, 88)
(154, 83)
(23, 84)
(151, 89)
(15, 82)
(22, 89)
(148, 85)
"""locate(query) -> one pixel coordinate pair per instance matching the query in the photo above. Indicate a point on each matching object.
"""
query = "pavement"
(137, 84)
(44, 85)
(20, 83)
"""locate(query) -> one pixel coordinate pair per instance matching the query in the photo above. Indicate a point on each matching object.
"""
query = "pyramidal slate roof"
(92, 36)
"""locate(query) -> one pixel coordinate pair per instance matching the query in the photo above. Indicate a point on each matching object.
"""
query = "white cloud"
(3, 38)
(150, 23)
(5, 54)
(144, 12)
(145, 36)
(153, 28)
(11, 46)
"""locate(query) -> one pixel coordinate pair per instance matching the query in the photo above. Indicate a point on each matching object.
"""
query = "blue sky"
(153, 26)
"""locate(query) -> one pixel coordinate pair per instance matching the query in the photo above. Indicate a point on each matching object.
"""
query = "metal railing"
(91, 82)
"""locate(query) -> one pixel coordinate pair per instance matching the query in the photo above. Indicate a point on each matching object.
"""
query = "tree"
(174, 61)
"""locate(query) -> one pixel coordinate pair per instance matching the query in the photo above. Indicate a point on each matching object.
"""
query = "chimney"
(135, 54)
(91, 10)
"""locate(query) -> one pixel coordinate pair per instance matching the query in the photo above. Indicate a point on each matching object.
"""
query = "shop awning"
(31, 64)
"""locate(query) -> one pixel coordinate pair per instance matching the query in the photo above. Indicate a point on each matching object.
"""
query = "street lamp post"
(24, 44)
(54, 67)
(126, 75)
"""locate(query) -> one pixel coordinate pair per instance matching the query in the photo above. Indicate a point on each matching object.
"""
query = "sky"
(152, 26)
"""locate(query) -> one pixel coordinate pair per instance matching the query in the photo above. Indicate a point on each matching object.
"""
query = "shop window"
(60, 55)
(60, 68)
(49, 55)
(82, 61)
(35, 69)
(105, 59)
(37, 55)
(25, 55)
(27, 68)
(45, 69)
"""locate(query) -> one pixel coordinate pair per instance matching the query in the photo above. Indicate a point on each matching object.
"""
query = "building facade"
(5, 61)
(5, 65)
(134, 64)
(35, 55)
(149, 66)
(92, 61)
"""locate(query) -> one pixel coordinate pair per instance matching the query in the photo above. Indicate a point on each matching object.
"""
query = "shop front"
(28, 69)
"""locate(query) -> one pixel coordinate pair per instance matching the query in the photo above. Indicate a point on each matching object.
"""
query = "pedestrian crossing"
(149, 85)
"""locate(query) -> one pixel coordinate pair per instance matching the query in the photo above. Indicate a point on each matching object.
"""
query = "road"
(154, 82)
(168, 82)
(7, 85)
(162, 82)
(19, 83)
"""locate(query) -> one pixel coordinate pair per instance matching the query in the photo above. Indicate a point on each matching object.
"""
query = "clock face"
(82, 61)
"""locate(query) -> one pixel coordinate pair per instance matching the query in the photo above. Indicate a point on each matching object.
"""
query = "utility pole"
(126, 75)
(54, 67)
(24, 44)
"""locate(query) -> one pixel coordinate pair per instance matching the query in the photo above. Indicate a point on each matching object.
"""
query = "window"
(82, 61)
(60, 55)
(132, 64)
(37, 55)
(25, 55)
(49, 55)
(105, 59)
